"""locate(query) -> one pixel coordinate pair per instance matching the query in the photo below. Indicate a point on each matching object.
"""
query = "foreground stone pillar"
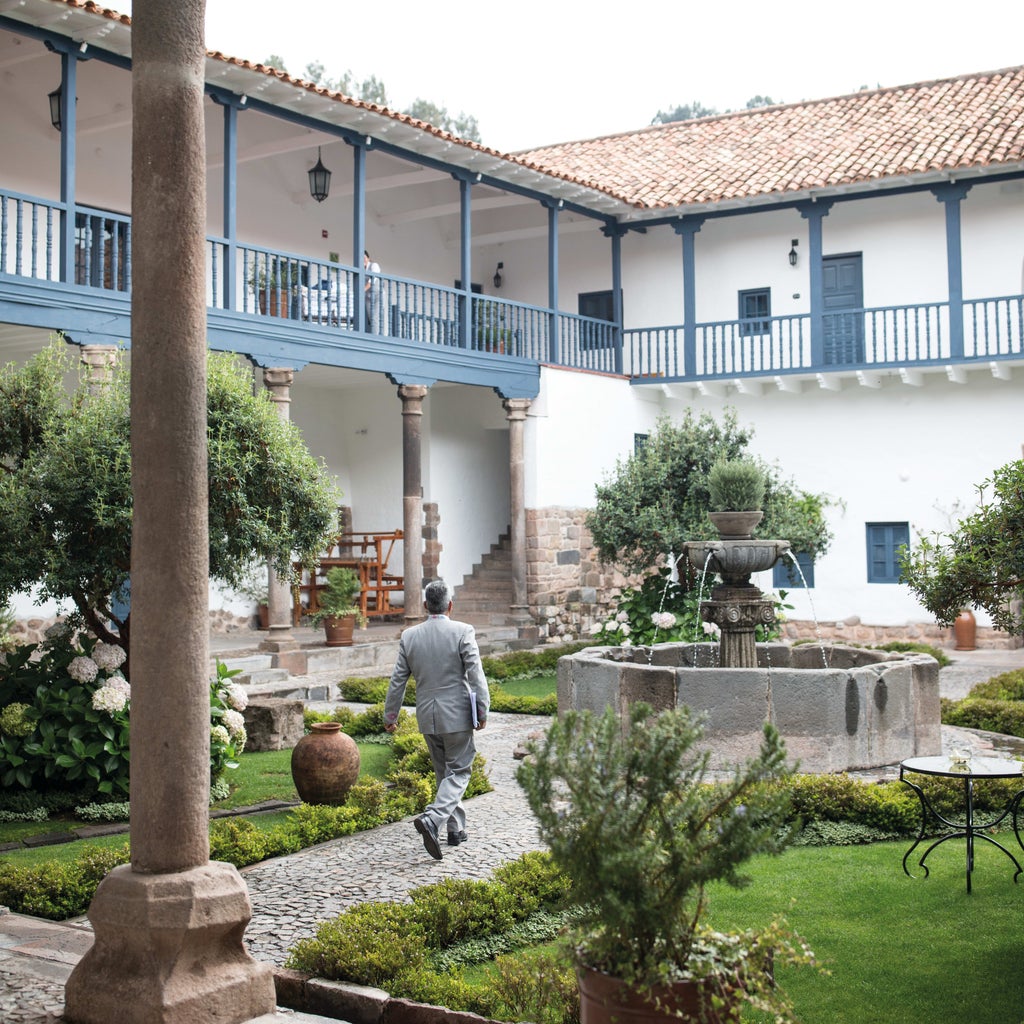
(412, 396)
(278, 381)
(169, 927)
(515, 412)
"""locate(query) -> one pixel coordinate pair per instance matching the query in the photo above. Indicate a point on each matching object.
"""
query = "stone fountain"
(736, 607)
(838, 708)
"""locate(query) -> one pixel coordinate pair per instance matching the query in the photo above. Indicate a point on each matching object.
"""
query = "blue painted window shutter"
(884, 543)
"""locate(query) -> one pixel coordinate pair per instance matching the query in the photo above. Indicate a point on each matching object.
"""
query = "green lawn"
(540, 686)
(259, 777)
(900, 950)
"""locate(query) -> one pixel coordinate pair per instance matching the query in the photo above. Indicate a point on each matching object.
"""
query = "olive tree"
(657, 499)
(980, 563)
(65, 486)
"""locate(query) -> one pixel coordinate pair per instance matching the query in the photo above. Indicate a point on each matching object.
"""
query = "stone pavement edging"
(360, 1004)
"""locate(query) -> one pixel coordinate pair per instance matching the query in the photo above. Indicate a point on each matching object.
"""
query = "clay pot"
(607, 1000)
(338, 630)
(325, 764)
(263, 615)
(965, 631)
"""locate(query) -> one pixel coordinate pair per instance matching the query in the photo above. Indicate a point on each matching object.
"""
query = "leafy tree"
(761, 101)
(464, 125)
(683, 112)
(65, 486)
(657, 499)
(981, 562)
(373, 90)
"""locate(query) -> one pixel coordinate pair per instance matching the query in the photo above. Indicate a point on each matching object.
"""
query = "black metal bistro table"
(974, 769)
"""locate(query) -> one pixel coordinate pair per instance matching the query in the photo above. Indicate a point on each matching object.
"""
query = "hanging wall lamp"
(497, 275)
(792, 252)
(319, 179)
(56, 103)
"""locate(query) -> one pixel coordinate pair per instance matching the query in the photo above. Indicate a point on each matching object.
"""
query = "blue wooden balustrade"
(262, 282)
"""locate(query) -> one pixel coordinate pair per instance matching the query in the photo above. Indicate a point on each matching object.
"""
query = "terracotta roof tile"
(972, 121)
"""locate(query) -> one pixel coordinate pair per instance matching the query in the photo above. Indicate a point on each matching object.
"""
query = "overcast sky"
(534, 72)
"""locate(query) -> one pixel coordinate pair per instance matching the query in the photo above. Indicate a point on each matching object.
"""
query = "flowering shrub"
(64, 717)
(659, 611)
(227, 726)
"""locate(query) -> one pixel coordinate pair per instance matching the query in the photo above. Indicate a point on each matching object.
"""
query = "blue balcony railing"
(257, 281)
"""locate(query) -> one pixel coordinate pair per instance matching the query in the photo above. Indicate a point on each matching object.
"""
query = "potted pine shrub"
(337, 609)
(631, 816)
(736, 491)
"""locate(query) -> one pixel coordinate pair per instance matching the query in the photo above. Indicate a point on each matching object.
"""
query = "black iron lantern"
(319, 179)
(56, 103)
(497, 275)
(792, 252)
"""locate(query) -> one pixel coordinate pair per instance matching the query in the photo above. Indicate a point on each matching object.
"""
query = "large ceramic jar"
(325, 764)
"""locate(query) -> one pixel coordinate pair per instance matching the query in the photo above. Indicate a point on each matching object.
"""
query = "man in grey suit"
(443, 657)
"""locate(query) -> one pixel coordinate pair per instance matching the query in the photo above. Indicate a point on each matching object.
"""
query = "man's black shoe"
(430, 843)
(454, 838)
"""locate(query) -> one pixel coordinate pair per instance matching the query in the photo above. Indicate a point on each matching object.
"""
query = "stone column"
(100, 360)
(412, 396)
(278, 382)
(168, 927)
(431, 540)
(515, 412)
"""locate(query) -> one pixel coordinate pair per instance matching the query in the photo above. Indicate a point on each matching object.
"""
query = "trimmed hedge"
(995, 705)
(58, 891)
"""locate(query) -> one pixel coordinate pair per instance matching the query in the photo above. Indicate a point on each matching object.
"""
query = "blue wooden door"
(843, 295)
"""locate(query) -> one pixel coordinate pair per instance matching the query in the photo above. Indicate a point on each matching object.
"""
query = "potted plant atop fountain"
(736, 490)
(337, 606)
(631, 816)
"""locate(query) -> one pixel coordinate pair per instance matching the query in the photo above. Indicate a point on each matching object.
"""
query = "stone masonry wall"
(568, 590)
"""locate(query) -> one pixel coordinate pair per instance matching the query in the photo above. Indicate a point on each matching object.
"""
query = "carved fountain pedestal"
(736, 607)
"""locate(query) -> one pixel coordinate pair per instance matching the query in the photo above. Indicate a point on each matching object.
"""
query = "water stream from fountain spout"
(810, 601)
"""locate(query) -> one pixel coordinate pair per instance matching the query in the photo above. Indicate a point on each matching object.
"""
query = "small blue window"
(639, 441)
(785, 572)
(886, 542)
(755, 311)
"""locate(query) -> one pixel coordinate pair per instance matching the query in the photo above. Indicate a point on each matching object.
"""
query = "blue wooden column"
(231, 104)
(615, 233)
(814, 213)
(952, 195)
(687, 228)
(69, 56)
(553, 206)
(359, 229)
(466, 260)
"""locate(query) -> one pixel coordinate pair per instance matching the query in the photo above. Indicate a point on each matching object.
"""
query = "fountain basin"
(734, 560)
(865, 709)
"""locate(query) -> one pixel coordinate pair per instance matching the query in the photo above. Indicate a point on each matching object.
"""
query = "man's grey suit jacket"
(442, 656)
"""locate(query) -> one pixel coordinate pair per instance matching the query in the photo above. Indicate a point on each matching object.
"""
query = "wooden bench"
(366, 553)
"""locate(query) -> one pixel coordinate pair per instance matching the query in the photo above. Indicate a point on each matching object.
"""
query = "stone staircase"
(484, 598)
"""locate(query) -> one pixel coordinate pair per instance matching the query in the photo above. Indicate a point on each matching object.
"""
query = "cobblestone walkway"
(290, 895)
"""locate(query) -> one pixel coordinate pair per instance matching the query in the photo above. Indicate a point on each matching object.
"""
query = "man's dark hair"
(437, 597)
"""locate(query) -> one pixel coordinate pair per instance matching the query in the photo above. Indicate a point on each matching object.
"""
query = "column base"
(279, 638)
(169, 950)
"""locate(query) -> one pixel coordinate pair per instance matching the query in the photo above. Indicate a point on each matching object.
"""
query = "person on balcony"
(372, 293)
(452, 700)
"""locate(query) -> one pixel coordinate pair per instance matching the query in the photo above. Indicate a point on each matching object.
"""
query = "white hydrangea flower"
(611, 625)
(596, 627)
(622, 617)
(83, 669)
(663, 620)
(236, 697)
(108, 656)
(109, 699)
(627, 642)
(119, 682)
(624, 629)
(218, 734)
(234, 722)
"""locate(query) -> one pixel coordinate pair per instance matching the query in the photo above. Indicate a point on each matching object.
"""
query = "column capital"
(100, 361)
(516, 408)
(412, 392)
(278, 381)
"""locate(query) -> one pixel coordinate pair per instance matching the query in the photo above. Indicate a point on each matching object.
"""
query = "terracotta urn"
(338, 630)
(965, 631)
(325, 764)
